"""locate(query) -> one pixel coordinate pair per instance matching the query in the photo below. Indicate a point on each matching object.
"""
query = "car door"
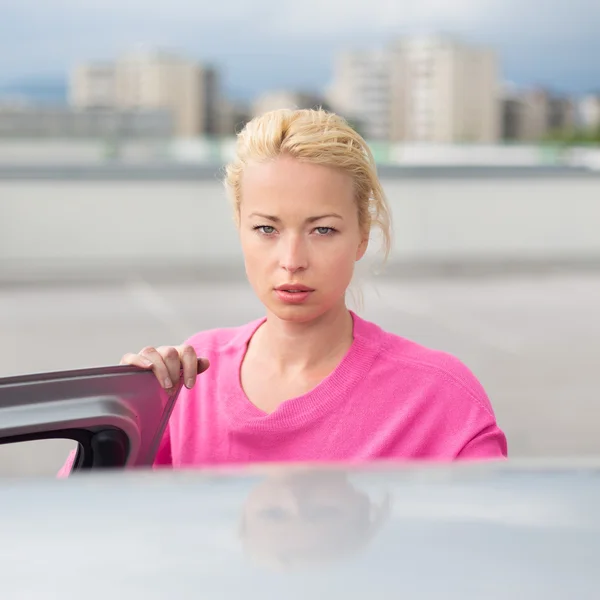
(114, 415)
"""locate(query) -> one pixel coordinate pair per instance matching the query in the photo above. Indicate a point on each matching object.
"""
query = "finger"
(172, 360)
(189, 362)
(158, 366)
(136, 360)
(203, 365)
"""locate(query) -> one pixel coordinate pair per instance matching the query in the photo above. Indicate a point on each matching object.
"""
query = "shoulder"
(430, 368)
(445, 402)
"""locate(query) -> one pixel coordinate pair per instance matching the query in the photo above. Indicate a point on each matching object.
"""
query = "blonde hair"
(320, 137)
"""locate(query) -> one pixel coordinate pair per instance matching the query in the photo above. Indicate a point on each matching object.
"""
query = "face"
(300, 236)
(305, 517)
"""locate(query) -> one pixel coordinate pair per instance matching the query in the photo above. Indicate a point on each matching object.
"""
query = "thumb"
(203, 364)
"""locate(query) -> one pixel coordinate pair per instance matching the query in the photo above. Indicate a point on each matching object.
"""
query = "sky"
(267, 44)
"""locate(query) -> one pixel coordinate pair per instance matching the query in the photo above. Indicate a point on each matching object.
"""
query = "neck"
(297, 347)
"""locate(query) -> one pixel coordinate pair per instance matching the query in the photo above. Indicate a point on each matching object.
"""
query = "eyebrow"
(309, 220)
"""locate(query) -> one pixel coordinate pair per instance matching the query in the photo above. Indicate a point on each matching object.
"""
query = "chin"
(297, 313)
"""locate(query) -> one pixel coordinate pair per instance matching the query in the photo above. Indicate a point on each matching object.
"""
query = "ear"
(362, 248)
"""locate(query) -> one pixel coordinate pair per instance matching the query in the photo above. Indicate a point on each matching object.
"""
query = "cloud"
(128, 11)
(311, 18)
(268, 38)
(525, 19)
(335, 17)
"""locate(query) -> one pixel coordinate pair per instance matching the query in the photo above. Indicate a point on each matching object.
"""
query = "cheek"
(336, 263)
(342, 257)
(257, 261)
(347, 250)
(252, 248)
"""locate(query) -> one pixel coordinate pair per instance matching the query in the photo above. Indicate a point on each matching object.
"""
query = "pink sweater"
(389, 398)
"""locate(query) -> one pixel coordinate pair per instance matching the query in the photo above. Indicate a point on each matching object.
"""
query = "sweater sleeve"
(489, 443)
(462, 417)
(65, 470)
(477, 434)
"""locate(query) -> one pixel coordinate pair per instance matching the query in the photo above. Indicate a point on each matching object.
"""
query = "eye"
(324, 230)
(266, 229)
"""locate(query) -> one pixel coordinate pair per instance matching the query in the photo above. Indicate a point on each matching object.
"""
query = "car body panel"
(493, 531)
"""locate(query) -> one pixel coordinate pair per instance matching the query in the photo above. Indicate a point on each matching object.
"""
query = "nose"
(293, 253)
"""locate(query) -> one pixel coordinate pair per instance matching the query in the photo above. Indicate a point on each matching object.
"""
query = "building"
(562, 115)
(93, 86)
(232, 117)
(360, 91)
(64, 122)
(276, 99)
(444, 91)
(531, 115)
(420, 89)
(511, 109)
(152, 81)
(589, 112)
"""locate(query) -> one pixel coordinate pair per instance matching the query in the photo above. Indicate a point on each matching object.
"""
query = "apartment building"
(152, 80)
(589, 112)
(233, 115)
(93, 86)
(420, 89)
(444, 91)
(530, 115)
(276, 99)
(360, 91)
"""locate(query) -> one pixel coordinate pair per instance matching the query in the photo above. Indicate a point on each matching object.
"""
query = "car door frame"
(116, 414)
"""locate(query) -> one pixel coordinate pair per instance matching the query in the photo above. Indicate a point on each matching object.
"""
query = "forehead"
(287, 184)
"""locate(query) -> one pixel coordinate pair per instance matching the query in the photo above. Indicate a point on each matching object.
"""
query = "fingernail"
(189, 383)
(168, 383)
(147, 363)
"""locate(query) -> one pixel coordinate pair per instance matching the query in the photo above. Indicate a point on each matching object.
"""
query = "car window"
(35, 457)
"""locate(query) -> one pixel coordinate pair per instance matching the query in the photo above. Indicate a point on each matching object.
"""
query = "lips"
(293, 293)
(294, 288)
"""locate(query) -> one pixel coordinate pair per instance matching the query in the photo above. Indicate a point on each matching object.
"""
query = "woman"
(312, 381)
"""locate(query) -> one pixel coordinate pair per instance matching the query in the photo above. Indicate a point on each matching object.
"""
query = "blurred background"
(484, 117)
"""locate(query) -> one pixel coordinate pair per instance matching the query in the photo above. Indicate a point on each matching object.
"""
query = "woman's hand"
(169, 364)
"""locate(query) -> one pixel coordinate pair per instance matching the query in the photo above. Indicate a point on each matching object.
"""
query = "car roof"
(497, 530)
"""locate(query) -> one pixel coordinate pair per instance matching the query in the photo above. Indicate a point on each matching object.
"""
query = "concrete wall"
(109, 224)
